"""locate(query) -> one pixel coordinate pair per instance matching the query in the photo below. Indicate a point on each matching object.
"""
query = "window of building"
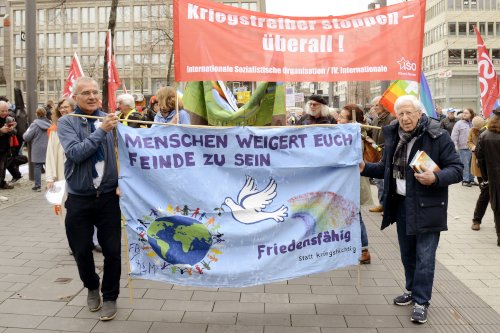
(482, 28)
(18, 43)
(70, 40)
(462, 28)
(88, 15)
(490, 30)
(487, 5)
(102, 38)
(470, 57)
(104, 14)
(452, 28)
(41, 86)
(2, 10)
(54, 16)
(20, 85)
(495, 56)
(85, 39)
(19, 64)
(466, 4)
(123, 14)
(480, 4)
(51, 85)
(67, 62)
(471, 28)
(41, 41)
(497, 29)
(19, 18)
(140, 37)
(141, 13)
(454, 57)
(458, 4)
(41, 17)
(450, 4)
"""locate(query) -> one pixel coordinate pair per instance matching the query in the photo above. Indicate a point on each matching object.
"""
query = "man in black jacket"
(417, 202)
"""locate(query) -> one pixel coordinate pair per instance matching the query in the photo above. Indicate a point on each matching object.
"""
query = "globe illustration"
(179, 239)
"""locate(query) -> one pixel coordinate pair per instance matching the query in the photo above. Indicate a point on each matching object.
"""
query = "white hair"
(408, 99)
(126, 99)
(325, 110)
(80, 80)
(4, 104)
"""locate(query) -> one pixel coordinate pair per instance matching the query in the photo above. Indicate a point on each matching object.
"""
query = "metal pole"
(31, 66)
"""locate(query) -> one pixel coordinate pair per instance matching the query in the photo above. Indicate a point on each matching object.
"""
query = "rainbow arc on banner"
(403, 87)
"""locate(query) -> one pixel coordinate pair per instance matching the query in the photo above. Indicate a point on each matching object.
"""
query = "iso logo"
(407, 65)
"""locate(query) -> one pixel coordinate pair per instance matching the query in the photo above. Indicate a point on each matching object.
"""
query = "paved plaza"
(40, 290)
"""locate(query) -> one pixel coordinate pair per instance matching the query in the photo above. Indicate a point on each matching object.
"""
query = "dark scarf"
(400, 155)
(99, 154)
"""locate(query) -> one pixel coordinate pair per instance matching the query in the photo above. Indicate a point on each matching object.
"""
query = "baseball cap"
(451, 110)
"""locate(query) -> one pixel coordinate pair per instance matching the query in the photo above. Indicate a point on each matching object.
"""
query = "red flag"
(75, 71)
(488, 80)
(113, 77)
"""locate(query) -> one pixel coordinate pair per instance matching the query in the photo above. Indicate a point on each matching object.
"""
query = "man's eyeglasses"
(314, 104)
(87, 93)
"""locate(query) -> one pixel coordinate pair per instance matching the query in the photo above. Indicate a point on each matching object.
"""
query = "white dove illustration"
(251, 202)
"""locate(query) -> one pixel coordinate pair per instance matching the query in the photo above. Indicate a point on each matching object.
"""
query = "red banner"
(75, 71)
(213, 41)
(488, 79)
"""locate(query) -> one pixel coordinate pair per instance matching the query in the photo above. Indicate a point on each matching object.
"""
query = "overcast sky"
(318, 7)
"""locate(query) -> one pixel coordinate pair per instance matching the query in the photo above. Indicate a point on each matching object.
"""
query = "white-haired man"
(126, 103)
(92, 179)
(317, 112)
(417, 202)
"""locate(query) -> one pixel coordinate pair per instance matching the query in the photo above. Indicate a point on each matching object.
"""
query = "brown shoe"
(365, 258)
(376, 209)
(475, 226)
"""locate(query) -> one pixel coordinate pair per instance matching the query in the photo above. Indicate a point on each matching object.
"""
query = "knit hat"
(318, 98)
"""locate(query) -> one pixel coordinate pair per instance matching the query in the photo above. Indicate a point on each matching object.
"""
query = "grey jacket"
(79, 146)
(37, 136)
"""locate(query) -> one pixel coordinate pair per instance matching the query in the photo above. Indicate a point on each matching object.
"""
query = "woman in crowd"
(166, 97)
(54, 161)
(36, 135)
(484, 195)
(346, 115)
(459, 135)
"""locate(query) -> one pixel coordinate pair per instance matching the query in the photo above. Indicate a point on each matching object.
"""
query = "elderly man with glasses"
(92, 179)
(317, 112)
(417, 202)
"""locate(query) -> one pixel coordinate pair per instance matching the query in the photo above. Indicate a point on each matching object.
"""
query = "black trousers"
(3, 167)
(103, 212)
(482, 202)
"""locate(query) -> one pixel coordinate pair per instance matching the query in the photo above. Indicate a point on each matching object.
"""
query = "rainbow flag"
(426, 97)
(396, 89)
(403, 87)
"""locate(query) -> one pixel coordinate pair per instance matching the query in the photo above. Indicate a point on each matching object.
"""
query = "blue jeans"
(418, 254)
(103, 212)
(38, 174)
(465, 158)
(380, 189)
(364, 235)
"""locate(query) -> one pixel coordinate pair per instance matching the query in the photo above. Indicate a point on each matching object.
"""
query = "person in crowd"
(37, 137)
(439, 114)
(92, 180)
(484, 197)
(417, 202)
(49, 107)
(7, 129)
(382, 119)
(488, 159)
(334, 115)
(55, 158)
(21, 118)
(346, 116)
(126, 103)
(459, 136)
(167, 99)
(317, 112)
(153, 109)
(449, 122)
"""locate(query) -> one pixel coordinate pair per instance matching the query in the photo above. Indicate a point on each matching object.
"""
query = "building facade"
(450, 48)
(143, 42)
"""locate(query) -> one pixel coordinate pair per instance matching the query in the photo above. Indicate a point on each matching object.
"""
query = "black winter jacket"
(426, 206)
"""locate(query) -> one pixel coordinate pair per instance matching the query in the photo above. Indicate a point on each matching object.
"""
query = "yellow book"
(421, 159)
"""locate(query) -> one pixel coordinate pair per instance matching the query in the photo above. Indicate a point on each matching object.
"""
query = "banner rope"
(204, 126)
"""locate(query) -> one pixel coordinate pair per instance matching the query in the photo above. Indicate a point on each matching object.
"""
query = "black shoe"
(404, 299)
(474, 183)
(14, 180)
(6, 186)
(419, 313)
(37, 189)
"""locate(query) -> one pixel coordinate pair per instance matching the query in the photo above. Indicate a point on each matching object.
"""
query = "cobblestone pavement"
(40, 290)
